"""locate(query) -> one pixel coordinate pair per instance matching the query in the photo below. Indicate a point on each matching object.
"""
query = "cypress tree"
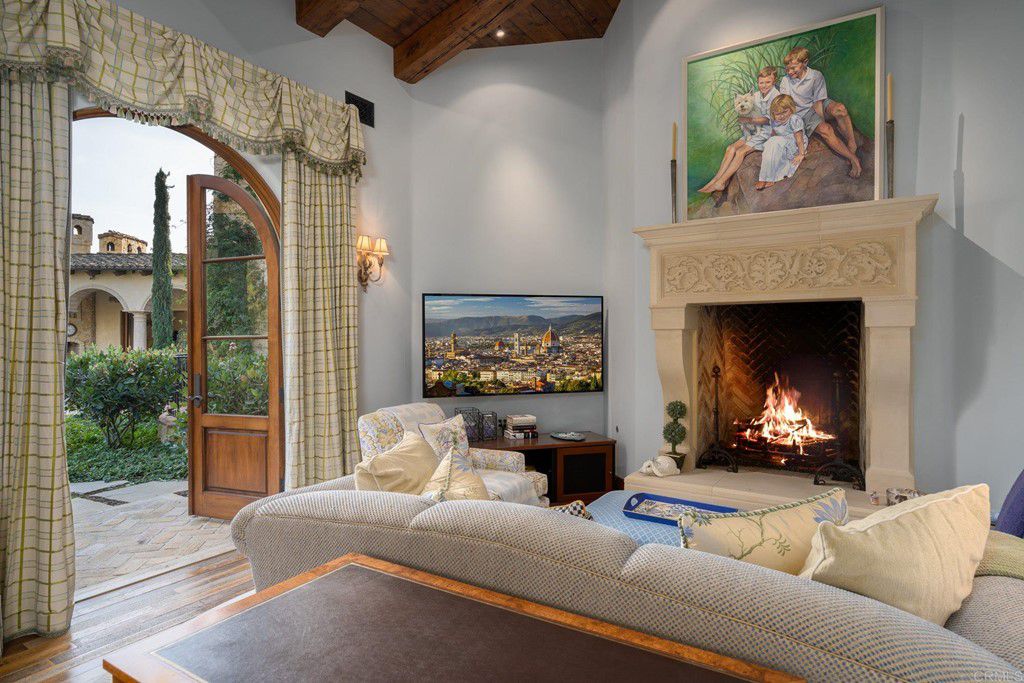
(163, 317)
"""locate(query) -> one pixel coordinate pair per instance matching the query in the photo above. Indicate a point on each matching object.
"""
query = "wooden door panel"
(245, 471)
(236, 453)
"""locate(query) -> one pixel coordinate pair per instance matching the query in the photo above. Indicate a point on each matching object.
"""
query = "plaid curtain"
(320, 314)
(37, 547)
(142, 70)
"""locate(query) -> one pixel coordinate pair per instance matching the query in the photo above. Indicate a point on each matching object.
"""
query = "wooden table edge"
(139, 657)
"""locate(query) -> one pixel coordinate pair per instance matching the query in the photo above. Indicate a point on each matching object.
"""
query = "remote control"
(568, 436)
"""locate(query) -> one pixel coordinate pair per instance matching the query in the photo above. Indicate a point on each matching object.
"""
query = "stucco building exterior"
(109, 289)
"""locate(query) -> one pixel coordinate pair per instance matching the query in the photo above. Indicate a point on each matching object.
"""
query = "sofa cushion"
(448, 435)
(919, 556)
(991, 617)
(454, 479)
(405, 468)
(776, 537)
(1004, 556)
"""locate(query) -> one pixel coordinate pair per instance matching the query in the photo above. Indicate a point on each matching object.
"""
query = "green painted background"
(849, 75)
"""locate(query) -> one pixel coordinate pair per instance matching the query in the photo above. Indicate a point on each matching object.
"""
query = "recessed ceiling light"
(500, 33)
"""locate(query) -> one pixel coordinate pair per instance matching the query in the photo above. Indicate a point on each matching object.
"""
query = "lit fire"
(782, 422)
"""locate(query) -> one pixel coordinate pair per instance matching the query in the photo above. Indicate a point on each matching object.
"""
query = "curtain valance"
(139, 69)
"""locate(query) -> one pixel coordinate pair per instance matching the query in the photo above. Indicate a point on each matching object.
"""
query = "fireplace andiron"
(716, 453)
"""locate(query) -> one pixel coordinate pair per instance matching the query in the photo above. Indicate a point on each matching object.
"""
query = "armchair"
(504, 472)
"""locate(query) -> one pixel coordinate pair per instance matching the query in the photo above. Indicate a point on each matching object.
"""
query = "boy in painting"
(807, 88)
(756, 130)
(785, 149)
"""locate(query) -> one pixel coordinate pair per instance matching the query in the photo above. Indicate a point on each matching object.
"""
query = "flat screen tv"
(502, 344)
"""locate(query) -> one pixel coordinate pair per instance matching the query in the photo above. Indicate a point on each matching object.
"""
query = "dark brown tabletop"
(543, 440)
(367, 620)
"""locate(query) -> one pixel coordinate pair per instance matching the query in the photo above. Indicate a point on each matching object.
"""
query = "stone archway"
(96, 313)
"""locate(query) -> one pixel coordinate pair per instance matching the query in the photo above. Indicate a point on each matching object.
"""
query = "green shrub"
(237, 383)
(80, 432)
(118, 390)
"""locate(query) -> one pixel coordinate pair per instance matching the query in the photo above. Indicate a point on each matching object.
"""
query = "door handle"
(197, 385)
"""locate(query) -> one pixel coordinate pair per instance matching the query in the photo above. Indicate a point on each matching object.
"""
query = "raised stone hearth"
(863, 252)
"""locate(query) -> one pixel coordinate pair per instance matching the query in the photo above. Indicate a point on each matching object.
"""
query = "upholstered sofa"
(738, 609)
(504, 472)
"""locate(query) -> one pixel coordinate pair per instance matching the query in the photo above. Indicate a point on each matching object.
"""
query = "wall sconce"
(370, 252)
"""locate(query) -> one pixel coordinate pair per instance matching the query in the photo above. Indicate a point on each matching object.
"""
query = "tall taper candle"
(675, 134)
(888, 97)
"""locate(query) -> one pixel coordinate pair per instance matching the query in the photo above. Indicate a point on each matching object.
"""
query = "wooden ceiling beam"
(320, 16)
(449, 33)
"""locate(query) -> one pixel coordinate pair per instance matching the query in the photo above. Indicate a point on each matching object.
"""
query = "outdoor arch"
(219, 466)
(97, 287)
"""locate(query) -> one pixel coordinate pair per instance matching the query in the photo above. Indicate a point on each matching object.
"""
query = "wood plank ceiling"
(427, 33)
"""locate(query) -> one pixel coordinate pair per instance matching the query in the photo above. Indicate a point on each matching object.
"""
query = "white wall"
(948, 60)
(506, 192)
(264, 32)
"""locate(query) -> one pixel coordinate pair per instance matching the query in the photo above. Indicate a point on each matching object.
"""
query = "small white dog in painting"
(744, 106)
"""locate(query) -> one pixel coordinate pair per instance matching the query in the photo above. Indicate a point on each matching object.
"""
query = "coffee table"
(359, 618)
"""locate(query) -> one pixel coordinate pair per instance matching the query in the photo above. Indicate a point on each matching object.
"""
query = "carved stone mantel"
(864, 251)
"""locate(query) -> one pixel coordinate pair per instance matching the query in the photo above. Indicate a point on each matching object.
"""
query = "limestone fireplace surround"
(865, 251)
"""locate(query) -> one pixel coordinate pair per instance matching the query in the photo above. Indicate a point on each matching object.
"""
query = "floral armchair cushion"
(506, 461)
(379, 432)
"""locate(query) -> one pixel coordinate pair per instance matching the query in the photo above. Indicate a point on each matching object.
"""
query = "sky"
(447, 306)
(113, 164)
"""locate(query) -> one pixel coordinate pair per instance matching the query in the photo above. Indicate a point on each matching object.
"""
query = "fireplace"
(778, 386)
(825, 298)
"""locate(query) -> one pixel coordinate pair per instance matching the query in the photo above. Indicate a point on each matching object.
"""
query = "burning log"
(781, 423)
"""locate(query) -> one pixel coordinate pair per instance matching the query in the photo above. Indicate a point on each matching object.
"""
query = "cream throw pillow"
(919, 556)
(405, 468)
(455, 479)
(777, 537)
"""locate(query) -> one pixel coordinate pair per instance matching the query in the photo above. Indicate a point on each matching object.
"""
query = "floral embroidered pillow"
(449, 435)
(455, 479)
(777, 537)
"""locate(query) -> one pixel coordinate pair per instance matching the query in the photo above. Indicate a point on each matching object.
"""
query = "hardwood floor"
(110, 621)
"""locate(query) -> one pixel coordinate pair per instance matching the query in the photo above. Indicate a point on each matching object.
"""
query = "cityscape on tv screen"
(480, 345)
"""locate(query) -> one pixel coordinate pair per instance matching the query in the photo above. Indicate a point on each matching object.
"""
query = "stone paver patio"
(124, 533)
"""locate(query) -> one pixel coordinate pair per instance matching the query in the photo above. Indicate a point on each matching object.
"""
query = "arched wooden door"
(234, 415)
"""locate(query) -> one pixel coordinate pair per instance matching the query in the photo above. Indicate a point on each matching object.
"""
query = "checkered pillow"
(575, 508)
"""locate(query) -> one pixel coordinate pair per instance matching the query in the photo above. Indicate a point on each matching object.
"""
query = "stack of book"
(520, 427)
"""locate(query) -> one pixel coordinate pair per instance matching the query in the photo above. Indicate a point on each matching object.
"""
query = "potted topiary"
(674, 432)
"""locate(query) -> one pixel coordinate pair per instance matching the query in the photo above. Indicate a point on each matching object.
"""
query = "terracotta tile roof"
(125, 263)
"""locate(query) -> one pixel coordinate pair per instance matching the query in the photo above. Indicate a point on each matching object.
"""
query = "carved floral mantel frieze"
(865, 251)
(866, 264)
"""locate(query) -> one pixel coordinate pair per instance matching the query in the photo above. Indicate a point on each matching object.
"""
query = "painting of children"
(784, 122)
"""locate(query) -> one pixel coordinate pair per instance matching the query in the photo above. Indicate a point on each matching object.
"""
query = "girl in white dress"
(785, 149)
